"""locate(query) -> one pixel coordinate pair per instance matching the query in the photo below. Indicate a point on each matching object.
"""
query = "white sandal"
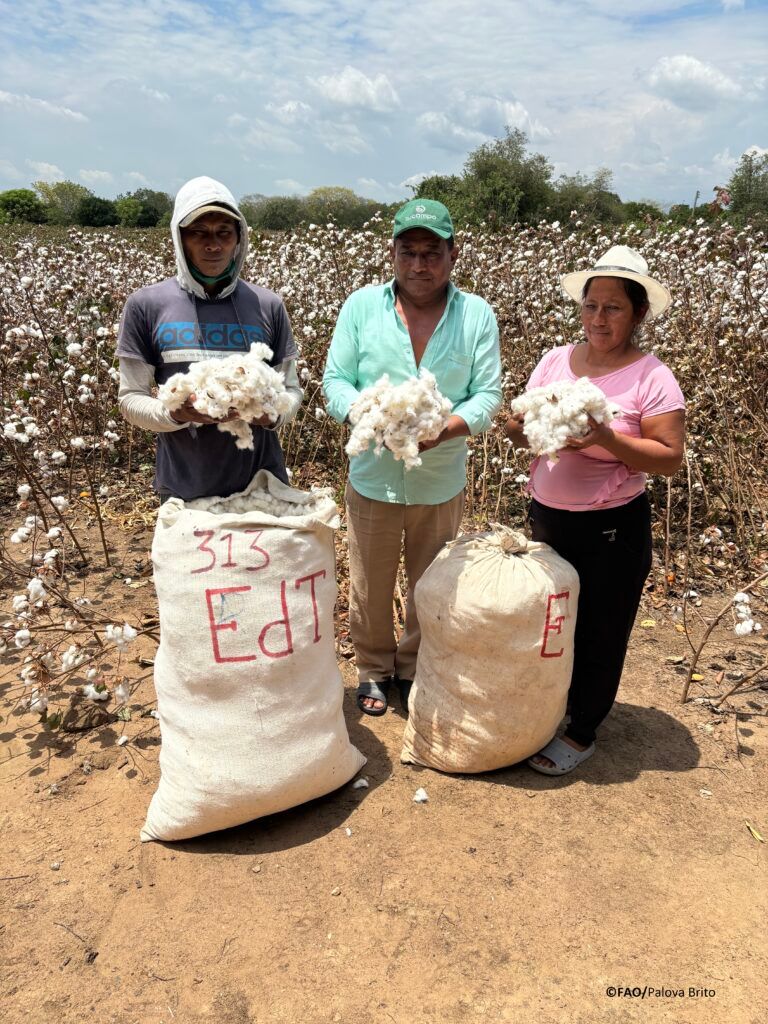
(563, 756)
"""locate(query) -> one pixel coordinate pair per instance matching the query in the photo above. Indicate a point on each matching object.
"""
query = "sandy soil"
(507, 897)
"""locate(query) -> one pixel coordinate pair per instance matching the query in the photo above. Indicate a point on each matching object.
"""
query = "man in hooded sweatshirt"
(205, 312)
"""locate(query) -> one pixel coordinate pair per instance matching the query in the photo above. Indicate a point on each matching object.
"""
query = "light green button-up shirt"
(463, 354)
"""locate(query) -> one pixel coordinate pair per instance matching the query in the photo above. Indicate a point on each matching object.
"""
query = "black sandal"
(376, 691)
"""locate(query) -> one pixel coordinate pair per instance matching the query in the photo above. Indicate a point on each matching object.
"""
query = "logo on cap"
(419, 209)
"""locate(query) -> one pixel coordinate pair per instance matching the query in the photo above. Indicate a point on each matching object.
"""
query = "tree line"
(501, 184)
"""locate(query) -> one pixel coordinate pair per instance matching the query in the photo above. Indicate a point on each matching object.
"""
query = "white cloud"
(235, 120)
(757, 151)
(352, 88)
(96, 177)
(291, 187)
(416, 179)
(155, 94)
(342, 137)
(46, 172)
(137, 176)
(444, 133)
(262, 136)
(9, 171)
(691, 83)
(732, 5)
(473, 118)
(290, 112)
(491, 114)
(32, 105)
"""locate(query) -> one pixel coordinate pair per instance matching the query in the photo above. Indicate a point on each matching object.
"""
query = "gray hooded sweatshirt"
(168, 326)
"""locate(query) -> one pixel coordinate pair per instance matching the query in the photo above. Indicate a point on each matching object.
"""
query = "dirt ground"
(508, 897)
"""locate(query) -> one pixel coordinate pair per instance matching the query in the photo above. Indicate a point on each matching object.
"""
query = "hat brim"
(441, 233)
(208, 208)
(659, 297)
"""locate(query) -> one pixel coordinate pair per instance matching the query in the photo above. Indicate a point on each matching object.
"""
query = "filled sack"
(249, 694)
(497, 614)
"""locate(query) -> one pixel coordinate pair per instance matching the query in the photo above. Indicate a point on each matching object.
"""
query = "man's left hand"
(456, 427)
(424, 446)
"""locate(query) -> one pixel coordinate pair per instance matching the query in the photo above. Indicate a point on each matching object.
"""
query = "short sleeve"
(660, 393)
(284, 342)
(134, 338)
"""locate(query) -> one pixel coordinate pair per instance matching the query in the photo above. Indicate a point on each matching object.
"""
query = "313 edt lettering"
(295, 600)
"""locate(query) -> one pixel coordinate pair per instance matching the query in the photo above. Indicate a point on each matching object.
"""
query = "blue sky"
(281, 96)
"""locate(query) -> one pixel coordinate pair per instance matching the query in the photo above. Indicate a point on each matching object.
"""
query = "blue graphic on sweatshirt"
(196, 340)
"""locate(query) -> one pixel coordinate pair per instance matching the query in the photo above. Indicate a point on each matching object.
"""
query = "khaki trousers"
(375, 532)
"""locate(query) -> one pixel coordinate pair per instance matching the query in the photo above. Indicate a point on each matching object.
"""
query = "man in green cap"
(419, 319)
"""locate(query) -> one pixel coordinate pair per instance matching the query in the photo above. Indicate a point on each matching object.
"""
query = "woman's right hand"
(513, 429)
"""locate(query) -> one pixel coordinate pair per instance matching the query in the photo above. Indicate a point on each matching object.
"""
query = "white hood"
(191, 196)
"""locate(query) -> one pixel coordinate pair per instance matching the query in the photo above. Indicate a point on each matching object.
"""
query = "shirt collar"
(389, 292)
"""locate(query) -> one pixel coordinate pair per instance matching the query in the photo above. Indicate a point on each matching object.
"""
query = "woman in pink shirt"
(591, 505)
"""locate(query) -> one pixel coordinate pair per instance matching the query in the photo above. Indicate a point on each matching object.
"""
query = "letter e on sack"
(557, 610)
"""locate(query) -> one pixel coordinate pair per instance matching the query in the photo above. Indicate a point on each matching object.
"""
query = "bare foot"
(545, 761)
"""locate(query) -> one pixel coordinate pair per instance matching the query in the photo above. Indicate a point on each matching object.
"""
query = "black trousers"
(610, 549)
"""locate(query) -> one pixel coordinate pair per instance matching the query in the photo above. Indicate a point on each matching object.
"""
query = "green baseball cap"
(423, 213)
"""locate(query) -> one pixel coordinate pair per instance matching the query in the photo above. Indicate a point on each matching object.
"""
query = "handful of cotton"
(398, 417)
(555, 412)
(245, 383)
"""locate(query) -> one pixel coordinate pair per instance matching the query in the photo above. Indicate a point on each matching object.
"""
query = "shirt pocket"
(455, 375)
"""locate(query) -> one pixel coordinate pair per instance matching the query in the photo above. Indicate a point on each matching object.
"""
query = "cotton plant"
(121, 636)
(557, 411)
(745, 622)
(398, 417)
(245, 383)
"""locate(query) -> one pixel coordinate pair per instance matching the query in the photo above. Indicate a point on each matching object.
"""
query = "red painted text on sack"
(224, 549)
(553, 624)
(275, 639)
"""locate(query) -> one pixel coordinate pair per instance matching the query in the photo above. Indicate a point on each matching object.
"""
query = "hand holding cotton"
(557, 411)
(398, 417)
(245, 383)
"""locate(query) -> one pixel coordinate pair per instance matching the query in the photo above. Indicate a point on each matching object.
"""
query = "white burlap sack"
(248, 690)
(497, 615)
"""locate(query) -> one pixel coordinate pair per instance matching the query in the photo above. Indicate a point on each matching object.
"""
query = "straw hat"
(620, 261)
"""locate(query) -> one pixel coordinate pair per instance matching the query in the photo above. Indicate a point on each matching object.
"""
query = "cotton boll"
(123, 692)
(71, 658)
(744, 627)
(398, 417)
(38, 702)
(555, 412)
(36, 591)
(121, 635)
(259, 500)
(245, 383)
(92, 693)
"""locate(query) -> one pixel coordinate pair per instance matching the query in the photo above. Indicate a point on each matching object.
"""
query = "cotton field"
(66, 456)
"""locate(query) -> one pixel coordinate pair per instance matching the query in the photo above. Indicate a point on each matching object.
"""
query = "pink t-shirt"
(593, 478)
